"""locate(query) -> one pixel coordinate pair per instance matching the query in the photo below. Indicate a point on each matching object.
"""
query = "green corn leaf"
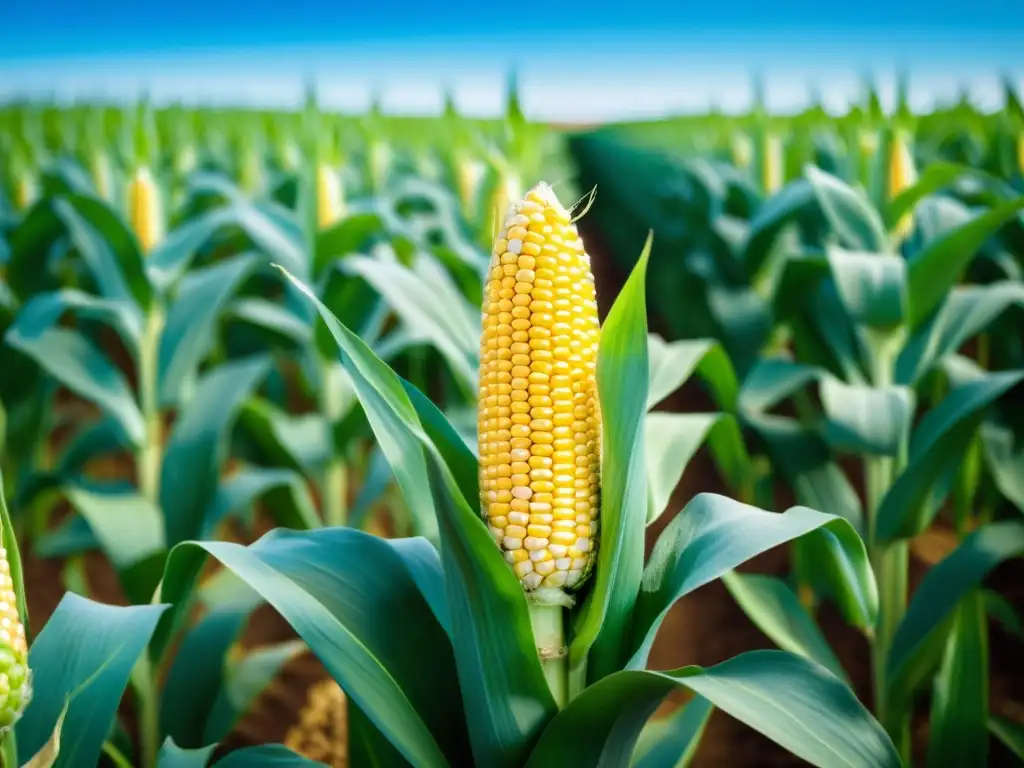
(771, 220)
(265, 756)
(39, 232)
(965, 312)
(108, 247)
(1010, 733)
(198, 446)
(79, 365)
(191, 324)
(866, 420)
(1004, 459)
(853, 219)
(173, 756)
(389, 411)
(936, 449)
(773, 606)
(933, 178)
(368, 622)
(356, 233)
(279, 439)
(460, 458)
(926, 622)
(671, 440)
(673, 363)
(124, 525)
(173, 256)
(196, 676)
(490, 624)
(46, 310)
(789, 699)
(871, 286)
(280, 324)
(283, 492)
(805, 460)
(939, 265)
(713, 534)
(82, 659)
(243, 682)
(958, 727)
(622, 384)
(671, 742)
(437, 310)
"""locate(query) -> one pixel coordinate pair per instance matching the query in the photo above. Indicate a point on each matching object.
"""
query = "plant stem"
(149, 462)
(150, 456)
(549, 635)
(334, 485)
(144, 676)
(890, 561)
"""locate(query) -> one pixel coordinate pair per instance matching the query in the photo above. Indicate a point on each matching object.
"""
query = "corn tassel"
(15, 676)
(538, 419)
(145, 209)
(902, 175)
(330, 197)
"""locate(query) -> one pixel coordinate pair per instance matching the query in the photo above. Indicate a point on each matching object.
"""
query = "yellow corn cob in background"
(539, 424)
(1020, 152)
(772, 164)
(15, 677)
(902, 175)
(330, 197)
(145, 210)
(25, 191)
(102, 176)
(322, 730)
(469, 173)
(742, 151)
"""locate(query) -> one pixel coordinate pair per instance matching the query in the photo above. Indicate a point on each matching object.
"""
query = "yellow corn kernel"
(15, 677)
(541, 447)
(145, 209)
(330, 197)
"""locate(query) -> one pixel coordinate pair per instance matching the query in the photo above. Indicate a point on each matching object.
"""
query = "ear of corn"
(902, 175)
(322, 730)
(15, 678)
(145, 209)
(1020, 152)
(25, 191)
(538, 419)
(330, 199)
(773, 167)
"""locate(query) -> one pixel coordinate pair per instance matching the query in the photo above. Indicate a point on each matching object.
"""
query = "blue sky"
(578, 61)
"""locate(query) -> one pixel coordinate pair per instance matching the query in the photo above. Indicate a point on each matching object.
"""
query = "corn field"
(466, 411)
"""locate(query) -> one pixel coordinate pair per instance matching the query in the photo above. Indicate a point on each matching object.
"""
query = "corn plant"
(451, 656)
(867, 303)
